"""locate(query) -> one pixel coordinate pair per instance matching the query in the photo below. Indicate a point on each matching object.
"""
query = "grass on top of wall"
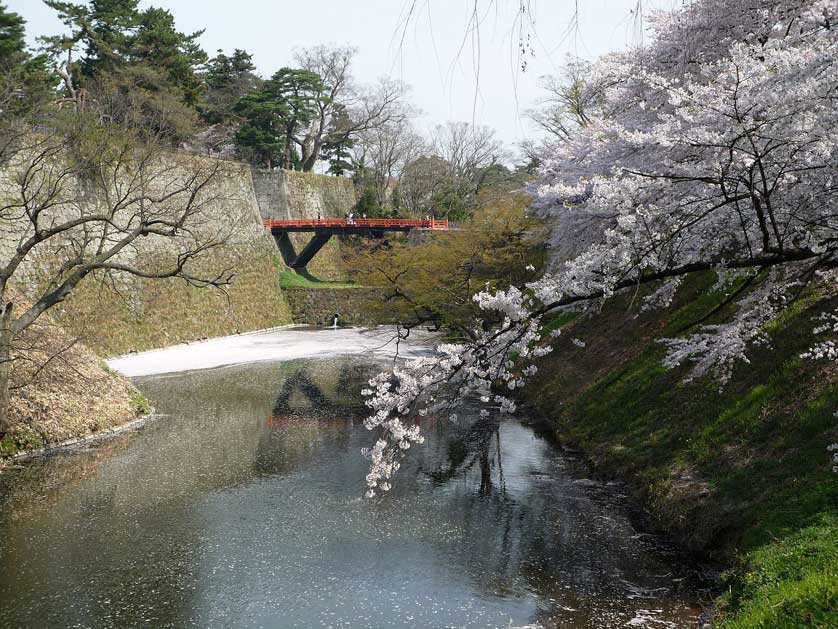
(291, 279)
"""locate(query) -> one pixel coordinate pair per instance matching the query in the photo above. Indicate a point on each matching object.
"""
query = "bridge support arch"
(324, 229)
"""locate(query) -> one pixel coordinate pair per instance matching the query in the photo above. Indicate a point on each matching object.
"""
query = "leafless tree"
(81, 199)
(420, 181)
(569, 103)
(385, 150)
(344, 109)
(467, 148)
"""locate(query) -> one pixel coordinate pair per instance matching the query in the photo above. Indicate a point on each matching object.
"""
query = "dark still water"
(241, 507)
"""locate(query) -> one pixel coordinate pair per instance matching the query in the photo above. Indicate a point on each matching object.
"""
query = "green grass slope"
(741, 473)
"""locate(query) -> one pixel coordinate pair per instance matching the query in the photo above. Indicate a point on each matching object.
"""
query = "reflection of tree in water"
(477, 445)
(542, 527)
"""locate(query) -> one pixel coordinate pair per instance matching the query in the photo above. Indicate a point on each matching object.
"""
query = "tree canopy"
(12, 37)
(116, 53)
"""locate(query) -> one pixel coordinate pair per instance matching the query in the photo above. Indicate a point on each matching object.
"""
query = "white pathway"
(286, 343)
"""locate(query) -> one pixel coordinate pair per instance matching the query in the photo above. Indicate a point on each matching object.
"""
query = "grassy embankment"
(741, 474)
(291, 279)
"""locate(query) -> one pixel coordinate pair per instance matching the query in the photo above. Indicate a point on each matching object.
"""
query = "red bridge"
(387, 224)
(324, 228)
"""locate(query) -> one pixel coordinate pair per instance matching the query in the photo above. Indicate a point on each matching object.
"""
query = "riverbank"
(741, 474)
(63, 393)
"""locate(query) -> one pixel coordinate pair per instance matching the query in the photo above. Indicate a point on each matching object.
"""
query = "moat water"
(241, 506)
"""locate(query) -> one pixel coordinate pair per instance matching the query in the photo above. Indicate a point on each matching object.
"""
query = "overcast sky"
(434, 54)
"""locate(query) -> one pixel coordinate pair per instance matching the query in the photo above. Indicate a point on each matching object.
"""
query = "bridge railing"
(420, 223)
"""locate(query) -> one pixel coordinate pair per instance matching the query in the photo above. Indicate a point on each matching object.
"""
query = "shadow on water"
(240, 507)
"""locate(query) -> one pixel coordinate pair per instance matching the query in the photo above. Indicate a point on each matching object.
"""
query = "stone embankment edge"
(67, 444)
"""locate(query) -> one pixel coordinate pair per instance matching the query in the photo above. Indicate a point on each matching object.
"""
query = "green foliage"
(136, 66)
(433, 281)
(140, 97)
(25, 80)
(287, 102)
(338, 142)
(12, 43)
(451, 202)
(103, 28)
(140, 403)
(228, 78)
(291, 279)
(792, 582)
(367, 204)
(22, 439)
(177, 56)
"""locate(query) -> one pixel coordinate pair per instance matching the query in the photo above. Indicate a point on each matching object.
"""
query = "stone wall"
(318, 306)
(121, 313)
(284, 194)
(138, 314)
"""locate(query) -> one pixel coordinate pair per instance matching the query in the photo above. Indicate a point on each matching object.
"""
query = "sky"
(453, 75)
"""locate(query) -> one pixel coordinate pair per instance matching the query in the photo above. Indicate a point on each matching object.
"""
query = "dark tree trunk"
(5, 366)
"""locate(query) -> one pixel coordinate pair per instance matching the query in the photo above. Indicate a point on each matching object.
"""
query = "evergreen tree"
(227, 80)
(123, 47)
(12, 44)
(272, 116)
(103, 28)
(338, 144)
(159, 45)
(25, 81)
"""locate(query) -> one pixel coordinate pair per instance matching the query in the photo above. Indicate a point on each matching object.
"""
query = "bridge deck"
(385, 224)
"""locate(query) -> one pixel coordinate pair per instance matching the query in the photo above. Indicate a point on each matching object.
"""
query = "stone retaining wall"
(317, 306)
(121, 313)
(287, 194)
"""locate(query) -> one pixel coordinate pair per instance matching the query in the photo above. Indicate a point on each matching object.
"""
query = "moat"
(241, 505)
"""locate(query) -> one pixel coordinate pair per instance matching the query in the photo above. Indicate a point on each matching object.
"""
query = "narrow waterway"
(240, 506)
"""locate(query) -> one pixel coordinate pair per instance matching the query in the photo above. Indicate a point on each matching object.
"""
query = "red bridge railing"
(420, 223)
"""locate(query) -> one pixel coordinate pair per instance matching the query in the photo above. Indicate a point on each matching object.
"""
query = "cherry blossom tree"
(713, 148)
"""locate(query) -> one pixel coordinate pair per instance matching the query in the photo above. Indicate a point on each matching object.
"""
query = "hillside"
(740, 475)
(62, 391)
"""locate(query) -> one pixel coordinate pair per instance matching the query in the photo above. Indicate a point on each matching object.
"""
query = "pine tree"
(272, 117)
(227, 80)
(12, 44)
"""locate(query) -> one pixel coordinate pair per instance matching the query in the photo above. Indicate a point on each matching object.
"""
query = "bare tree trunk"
(5, 366)
(310, 160)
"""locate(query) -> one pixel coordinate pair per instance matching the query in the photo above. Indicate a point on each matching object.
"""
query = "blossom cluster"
(498, 359)
(717, 348)
(824, 349)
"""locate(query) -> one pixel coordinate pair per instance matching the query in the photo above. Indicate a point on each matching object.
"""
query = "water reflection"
(240, 507)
